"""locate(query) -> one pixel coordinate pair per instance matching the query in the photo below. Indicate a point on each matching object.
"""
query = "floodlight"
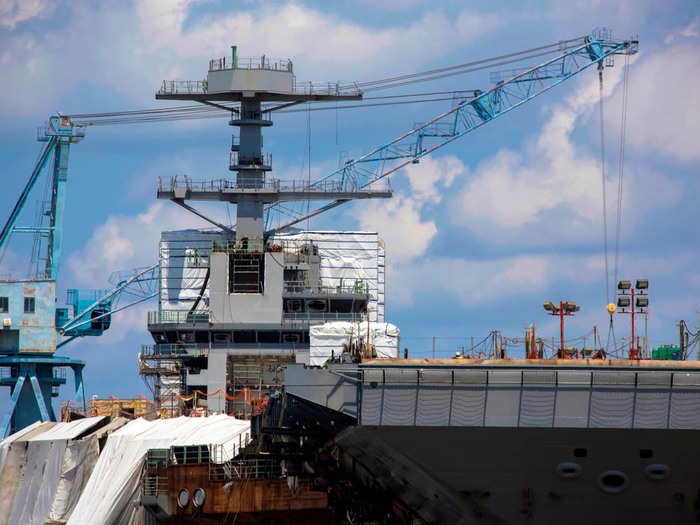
(642, 302)
(550, 306)
(571, 307)
(642, 284)
(623, 302)
(624, 285)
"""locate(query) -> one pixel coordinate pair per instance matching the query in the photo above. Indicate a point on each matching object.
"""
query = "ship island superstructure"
(237, 304)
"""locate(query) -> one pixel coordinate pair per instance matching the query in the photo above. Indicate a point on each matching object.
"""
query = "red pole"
(632, 349)
(561, 325)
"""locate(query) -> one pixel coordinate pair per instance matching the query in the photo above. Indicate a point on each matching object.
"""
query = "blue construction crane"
(469, 114)
(32, 325)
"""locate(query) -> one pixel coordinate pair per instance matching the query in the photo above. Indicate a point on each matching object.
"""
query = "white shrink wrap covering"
(114, 485)
(328, 339)
(41, 472)
(347, 257)
(5, 443)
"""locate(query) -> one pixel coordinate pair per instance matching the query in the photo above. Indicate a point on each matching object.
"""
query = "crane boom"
(468, 115)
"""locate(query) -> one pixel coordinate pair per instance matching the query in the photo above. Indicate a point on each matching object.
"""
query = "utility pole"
(681, 329)
(433, 347)
(595, 338)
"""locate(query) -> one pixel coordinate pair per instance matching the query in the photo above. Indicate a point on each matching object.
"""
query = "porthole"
(657, 471)
(183, 498)
(199, 497)
(569, 470)
(613, 481)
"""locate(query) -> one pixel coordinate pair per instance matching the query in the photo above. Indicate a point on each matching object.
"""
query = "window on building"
(29, 305)
(4, 305)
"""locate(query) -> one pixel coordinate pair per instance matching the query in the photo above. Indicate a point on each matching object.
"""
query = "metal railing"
(262, 62)
(174, 87)
(359, 287)
(322, 317)
(177, 316)
(277, 185)
(326, 88)
(236, 161)
(175, 350)
(246, 469)
(155, 478)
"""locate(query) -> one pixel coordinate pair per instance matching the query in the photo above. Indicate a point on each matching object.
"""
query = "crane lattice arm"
(469, 114)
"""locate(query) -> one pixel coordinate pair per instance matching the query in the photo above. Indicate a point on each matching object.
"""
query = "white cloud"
(551, 191)
(127, 241)
(133, 47)
(664, 103)
(13, 12)
(430, 178)
(399, 220)
(399, 224)
(692, 29)
(474, 281)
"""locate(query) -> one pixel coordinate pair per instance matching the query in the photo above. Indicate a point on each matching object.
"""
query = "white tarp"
(183, 266)
(41, 471)
(78, 461)
(328, 339)
(345, 258)
(5, 443)
(109, 494)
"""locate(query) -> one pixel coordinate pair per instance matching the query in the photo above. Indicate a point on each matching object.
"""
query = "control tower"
(259, 86)
(238, 304)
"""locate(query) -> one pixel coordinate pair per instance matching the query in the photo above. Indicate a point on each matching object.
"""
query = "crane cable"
(621, 163)
(611, 327)
(602, 171)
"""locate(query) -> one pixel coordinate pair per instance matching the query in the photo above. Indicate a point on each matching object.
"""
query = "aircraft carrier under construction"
(280, 391)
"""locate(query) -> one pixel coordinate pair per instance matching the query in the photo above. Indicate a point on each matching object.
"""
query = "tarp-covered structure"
(44, 467)
(346, 257)
(112, 492)
(330, 339)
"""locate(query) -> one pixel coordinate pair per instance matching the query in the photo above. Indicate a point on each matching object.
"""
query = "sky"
(478, 235)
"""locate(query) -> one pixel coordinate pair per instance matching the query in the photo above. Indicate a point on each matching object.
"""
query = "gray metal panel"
(571, 409)
(502, 406)
(399, 406)
(537, 407)
(373, 375)
(613, 377)
(470, 377)
(439, 376)
(654, 378)
(539, 377)
(505, 377)
(651, 407)
(686, 379)
(322, 387)
(371, 406)
(611, 408)
(573, 377)
(685, 408)
(433, 406)
(468, 405)
(401, 375)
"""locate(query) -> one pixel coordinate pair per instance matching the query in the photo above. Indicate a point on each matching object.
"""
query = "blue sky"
(478, 235)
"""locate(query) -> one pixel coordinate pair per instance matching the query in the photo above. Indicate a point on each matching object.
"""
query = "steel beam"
(7, 418)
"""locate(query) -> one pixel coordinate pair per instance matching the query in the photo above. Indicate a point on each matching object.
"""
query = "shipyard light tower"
(257, 87)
